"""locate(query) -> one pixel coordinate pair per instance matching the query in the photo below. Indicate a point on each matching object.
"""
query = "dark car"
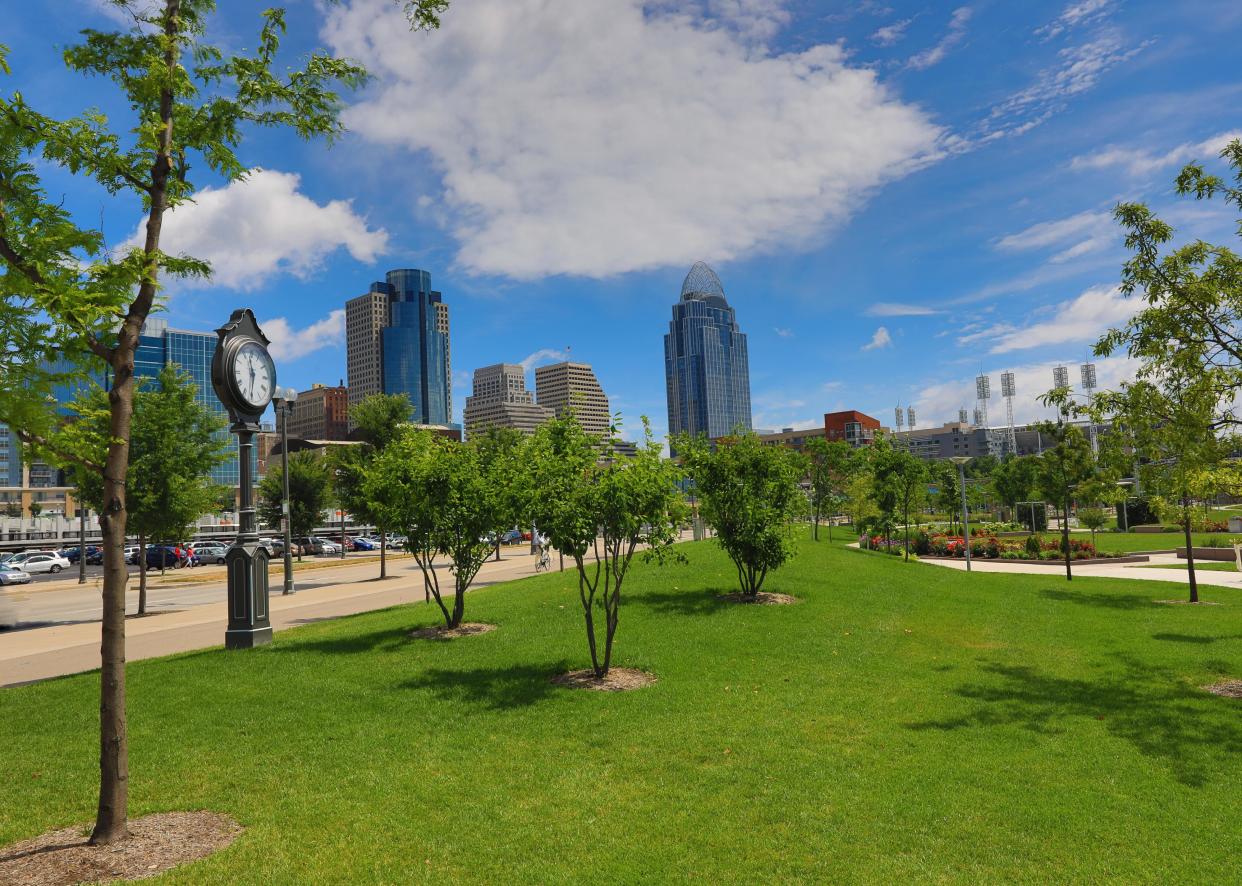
(94, 555)
(162, 557)
(365, 544)
(309, 545)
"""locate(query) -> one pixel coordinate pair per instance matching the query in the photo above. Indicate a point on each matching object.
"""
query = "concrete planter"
(1224, 555)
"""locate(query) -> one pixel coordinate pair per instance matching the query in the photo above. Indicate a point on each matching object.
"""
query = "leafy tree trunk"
(906, 516)
(383, 554)
(586, 593)
(815, 529)
(1190, 551)
(142, 574)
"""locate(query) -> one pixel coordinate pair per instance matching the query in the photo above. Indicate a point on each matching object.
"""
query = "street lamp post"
(961, 461)
(284, 406)
(81, 540)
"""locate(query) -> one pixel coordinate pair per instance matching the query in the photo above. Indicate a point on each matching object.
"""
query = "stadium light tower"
(1007, 391)
(983, 393)
(899, 418)
(910, 417)
(1088, 385)
(963, 416)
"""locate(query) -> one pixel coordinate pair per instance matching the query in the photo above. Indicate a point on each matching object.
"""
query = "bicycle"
(544, 563)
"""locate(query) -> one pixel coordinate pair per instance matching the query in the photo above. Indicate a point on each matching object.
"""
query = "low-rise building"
(322, 413)
(854, 427)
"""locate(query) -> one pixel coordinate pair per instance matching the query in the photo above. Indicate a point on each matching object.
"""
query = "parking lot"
(95, 573)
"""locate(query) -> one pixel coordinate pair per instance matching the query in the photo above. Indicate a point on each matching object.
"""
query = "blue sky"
(895, 195)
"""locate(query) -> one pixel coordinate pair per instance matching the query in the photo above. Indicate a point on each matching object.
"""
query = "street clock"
(244, 377)
(242, 371)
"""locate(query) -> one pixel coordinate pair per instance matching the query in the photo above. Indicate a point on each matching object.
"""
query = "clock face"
(254, 375)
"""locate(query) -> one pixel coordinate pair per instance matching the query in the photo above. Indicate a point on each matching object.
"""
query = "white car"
(329, 547)
(43, 563)
(212, 552)
(16, 560)
(11, 575)
(131, 554)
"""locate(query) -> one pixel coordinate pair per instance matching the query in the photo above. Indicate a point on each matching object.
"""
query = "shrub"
(1033, 546)
(921, 543)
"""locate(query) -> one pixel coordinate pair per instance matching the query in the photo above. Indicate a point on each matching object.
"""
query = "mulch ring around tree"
(617, 680)
(763, 598)
(156, 843)
(440, 632)
(1226, 688)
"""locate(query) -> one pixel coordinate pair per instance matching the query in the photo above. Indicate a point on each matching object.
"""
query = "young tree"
(829, 467)
(68, 297)
(1093, 519)
(174, 444)
(906, 475)
(590, 500)
(1063, 467)
(750, 494)
(949, 495)
(446, 497)
(860, 495)
(378, 420)
(309, 488)
(1013, 479)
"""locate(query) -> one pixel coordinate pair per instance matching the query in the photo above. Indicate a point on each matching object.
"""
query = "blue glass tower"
(706, 368)
(415, 345)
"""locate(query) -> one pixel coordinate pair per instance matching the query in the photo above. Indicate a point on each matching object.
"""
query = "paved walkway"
(194, 616)
(1106, 570)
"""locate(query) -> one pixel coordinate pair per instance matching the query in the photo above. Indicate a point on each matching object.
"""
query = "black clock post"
(243, 346)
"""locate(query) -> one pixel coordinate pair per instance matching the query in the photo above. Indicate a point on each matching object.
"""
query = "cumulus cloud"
(891, 34)
(881, 339)
(260, 226)
(1076, 236)
(1079, 320)
(293, 344)
(784, 333)
(956, 32)
(897, 309)
(1137, 161)
(755, 19)
(1076, 14)
(596, 137)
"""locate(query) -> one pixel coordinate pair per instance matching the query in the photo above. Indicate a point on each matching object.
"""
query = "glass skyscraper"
(706, 368)
(191, 352)
(397, 342)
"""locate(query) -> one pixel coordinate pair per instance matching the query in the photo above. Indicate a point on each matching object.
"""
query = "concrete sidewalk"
(40, 653)
(1131, 571)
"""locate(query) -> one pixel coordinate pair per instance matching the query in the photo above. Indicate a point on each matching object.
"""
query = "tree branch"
(44, 443)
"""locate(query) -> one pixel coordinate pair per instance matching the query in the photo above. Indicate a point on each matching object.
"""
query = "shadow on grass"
(385, 640)
(1154, 709)
(1194, 638)
(689, 602)
(496, 688)
(1097, 599)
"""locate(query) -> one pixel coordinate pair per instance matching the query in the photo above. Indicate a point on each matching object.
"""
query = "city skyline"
(962, 217)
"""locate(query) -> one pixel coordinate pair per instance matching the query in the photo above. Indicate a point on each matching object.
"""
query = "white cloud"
(755, 19)
(897, 309)
(956, 32)
(1076, 14)
(891, 34)
(596, 137)
(1077, 235)
(1079, 69)
(1080, 320)
(1139, 162)
(784, 333)
(260, 226)
(938, 403)
(542, 356)
(293, 344)
(881, 339)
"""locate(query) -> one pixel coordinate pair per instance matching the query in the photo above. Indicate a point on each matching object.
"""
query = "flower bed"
(988, 546)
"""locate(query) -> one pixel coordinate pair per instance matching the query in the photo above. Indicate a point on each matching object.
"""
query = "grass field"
(1210, 565)
(1118, 542)
(901, 723)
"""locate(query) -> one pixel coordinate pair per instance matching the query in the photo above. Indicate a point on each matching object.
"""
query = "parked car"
(162, 557)
(94, 554)
(210, 552)
(269, 545)
(512, 537)
(36, 563)
(131, 554)
(11, 575)
(365, 544)
(308, 545)
(326, 545)
(16, 560)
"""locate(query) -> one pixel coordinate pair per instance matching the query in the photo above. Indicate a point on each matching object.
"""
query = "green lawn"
(905, 722)
(1211, 565)
(1116, 542)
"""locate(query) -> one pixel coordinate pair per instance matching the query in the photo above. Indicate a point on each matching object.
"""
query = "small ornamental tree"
(377, 420)
(751, 496)
(906, 476)
(446, 497)
(593, 502)
(1063, 467)
(308, 494)
(173, 446)
(1093, 519)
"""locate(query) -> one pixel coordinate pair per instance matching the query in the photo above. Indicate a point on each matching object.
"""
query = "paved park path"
(1105, 570)
(188, 616)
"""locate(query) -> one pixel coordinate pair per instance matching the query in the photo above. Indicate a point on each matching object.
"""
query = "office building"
(793, 438)
(952, 439)
(854, 427)
(500, 400)
(563, 387)
(396, 342)
(322, 413)
(706, 369)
